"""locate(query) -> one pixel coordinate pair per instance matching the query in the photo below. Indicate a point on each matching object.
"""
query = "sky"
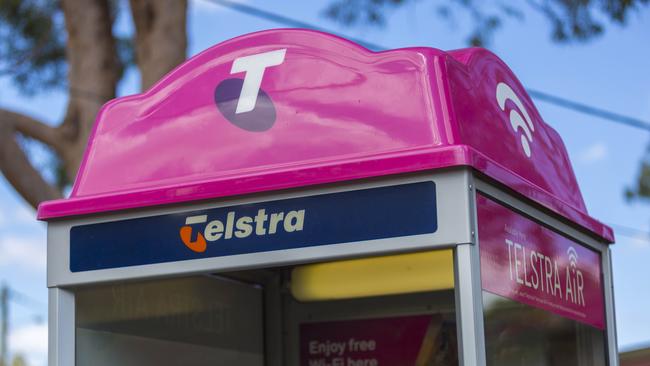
(610, 72)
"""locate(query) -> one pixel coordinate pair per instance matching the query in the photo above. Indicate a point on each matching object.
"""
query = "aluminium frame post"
(610, 318)
(61, 327)
(469, 304)
(469, 300)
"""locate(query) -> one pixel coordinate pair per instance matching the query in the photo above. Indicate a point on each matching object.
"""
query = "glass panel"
(189, 321)
(518, 334)
(396, 310)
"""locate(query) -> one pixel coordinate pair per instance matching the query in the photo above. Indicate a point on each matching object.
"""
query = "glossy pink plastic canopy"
(291, 108)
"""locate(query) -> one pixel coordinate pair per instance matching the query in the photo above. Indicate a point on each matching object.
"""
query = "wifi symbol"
(517, 120)
(573, 256)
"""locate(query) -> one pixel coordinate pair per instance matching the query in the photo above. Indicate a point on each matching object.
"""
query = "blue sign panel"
(333, 218)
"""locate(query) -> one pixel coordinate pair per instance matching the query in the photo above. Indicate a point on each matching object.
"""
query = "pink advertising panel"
(397, 341)
(529, 263)
(289, 108)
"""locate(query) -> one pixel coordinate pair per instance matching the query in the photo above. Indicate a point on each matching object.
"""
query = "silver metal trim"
(469, 299)
(61, 327)
(610, 309)
(469, 306)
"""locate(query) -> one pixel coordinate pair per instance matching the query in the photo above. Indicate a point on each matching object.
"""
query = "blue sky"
(610, 72)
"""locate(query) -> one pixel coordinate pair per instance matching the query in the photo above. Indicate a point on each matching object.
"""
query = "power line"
(632, 233)
(546, 97)
(25, 300)
(586, 109)
(277, 18)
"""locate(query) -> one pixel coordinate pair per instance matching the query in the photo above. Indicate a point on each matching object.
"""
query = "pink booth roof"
(291, 108)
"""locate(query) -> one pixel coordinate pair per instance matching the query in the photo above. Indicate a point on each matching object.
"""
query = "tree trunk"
(93, 73)
(161, 37)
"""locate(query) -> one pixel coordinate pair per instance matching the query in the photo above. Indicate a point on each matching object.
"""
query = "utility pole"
(4, 323)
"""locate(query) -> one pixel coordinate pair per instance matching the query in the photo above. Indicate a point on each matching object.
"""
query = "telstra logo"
(239, 227)
(243, 102)
(518, 120)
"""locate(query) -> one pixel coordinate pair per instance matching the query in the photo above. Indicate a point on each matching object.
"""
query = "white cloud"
(23, 252)
(30, 341)
(593, 153)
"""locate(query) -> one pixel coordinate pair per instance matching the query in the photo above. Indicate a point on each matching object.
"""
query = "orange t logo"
(199, 245)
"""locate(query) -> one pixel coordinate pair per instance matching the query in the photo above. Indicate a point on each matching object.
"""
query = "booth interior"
(349, 312)
(391, 310)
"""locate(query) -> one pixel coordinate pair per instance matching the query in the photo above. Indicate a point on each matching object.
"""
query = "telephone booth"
(290, 198)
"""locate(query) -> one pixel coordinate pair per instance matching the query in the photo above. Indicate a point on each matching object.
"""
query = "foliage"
(641, 190)
(578, 20)
(18, 360)
(32, 44)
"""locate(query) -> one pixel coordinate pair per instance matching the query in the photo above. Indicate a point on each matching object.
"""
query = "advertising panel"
(397, 341)
(529, 263)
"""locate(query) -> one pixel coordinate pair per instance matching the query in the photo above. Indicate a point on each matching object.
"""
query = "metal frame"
(61, 327)
(456, 191)
(608, 284)
(453, 228)
(468, 290)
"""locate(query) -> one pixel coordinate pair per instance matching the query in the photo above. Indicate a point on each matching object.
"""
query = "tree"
(60, 44)
(44, 40)
(641, 189)
(19, 360)
(577, 20)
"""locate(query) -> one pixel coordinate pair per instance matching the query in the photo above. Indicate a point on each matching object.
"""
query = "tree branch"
(93, 70)
(32, 128)
(19, 171)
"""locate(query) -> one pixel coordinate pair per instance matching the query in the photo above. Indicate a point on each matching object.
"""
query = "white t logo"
(254, 66)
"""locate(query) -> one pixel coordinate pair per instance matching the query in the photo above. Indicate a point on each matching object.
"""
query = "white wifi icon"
(573, 256)
(518, 120)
